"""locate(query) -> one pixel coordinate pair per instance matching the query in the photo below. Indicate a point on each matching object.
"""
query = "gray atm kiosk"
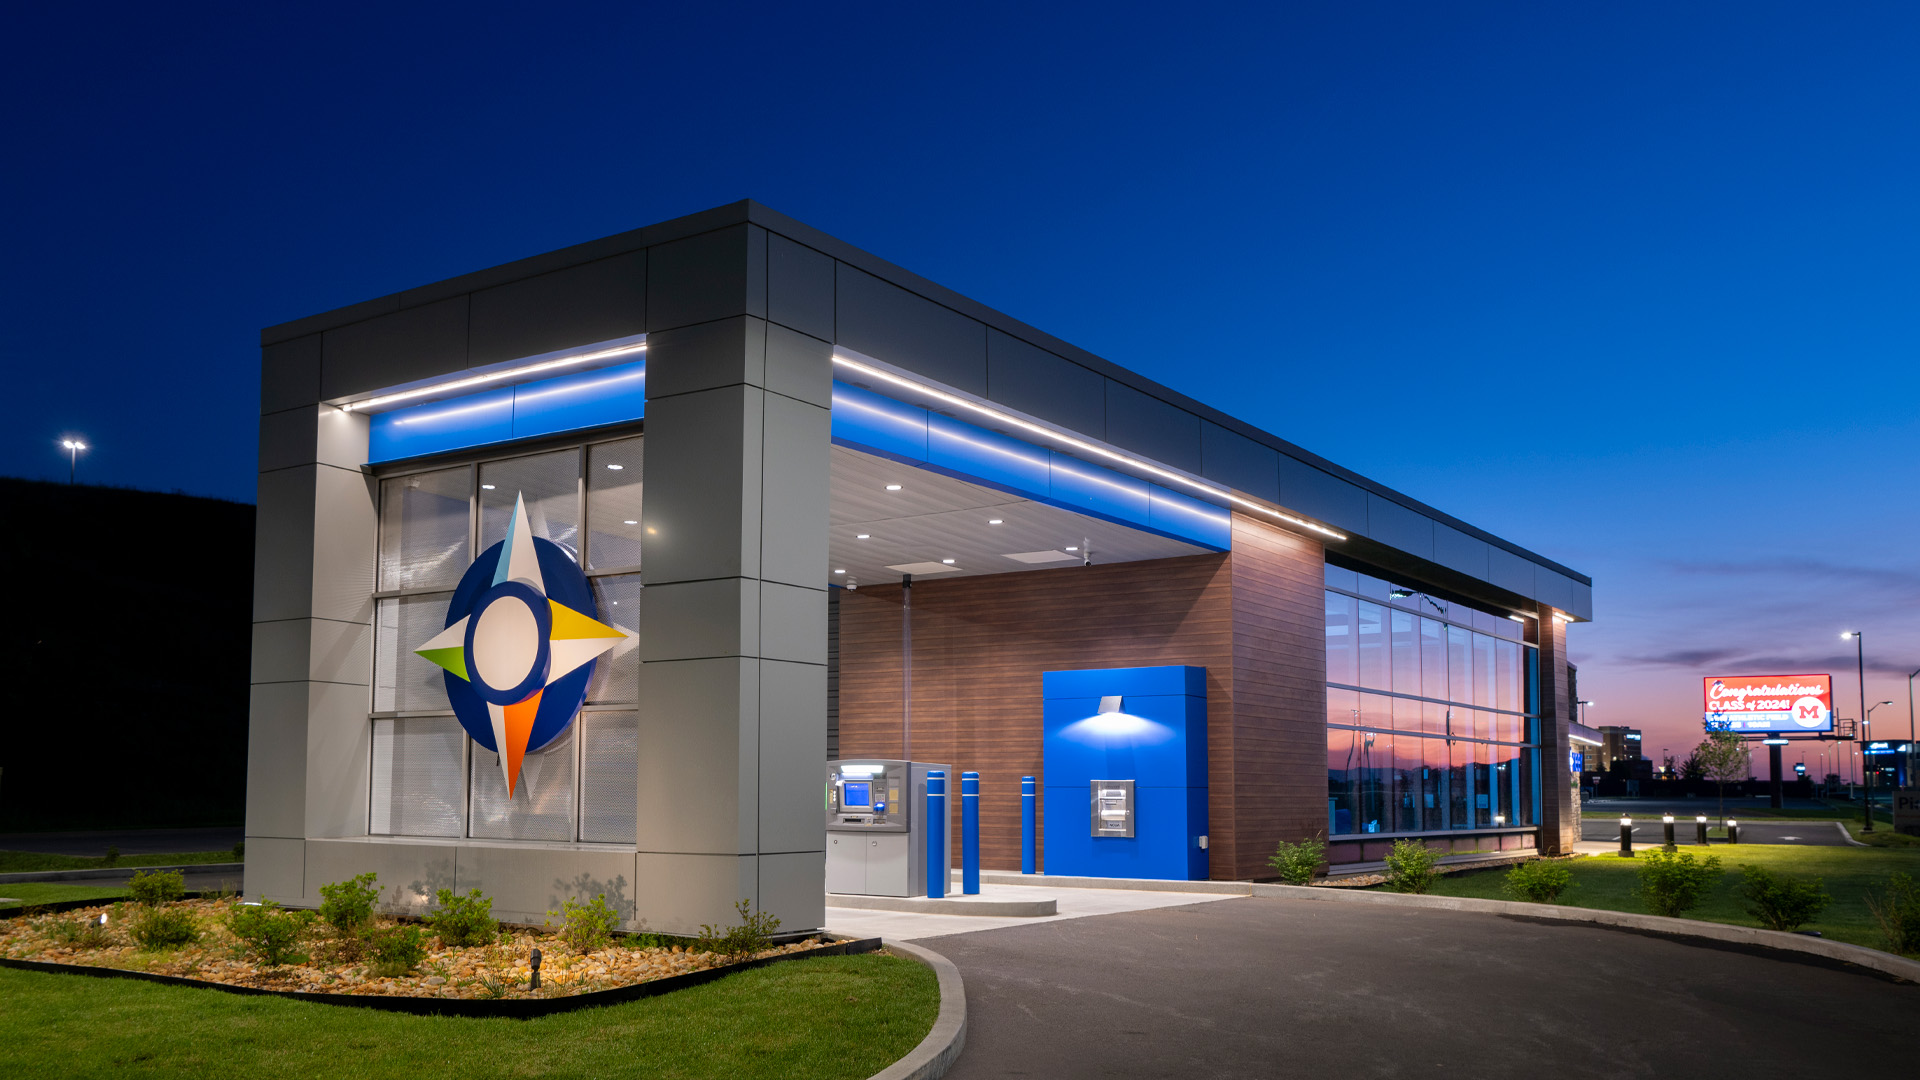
(876, 822)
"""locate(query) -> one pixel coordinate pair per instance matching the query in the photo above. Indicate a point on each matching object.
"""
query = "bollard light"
(1733, 831)
(1626, 837)
(1666, 824)
(1700, 830)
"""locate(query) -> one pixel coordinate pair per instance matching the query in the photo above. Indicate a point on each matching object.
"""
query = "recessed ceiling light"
(616, 468)
(893, 487)
(1073, 549)
(948, 562)
(486, 487)
(863, 536)
(839, 571)
(993, 521)
(630, 523)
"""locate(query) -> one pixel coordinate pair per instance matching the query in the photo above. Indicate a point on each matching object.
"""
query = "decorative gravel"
(497, 971)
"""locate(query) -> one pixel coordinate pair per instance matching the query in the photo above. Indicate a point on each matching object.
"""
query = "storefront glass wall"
(428, 778)
(1430, 718)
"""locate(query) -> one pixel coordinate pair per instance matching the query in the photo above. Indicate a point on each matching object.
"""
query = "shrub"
(1671, 883)
(240, 851)
(1898, 913)
(743, 942)
(396, 950)
(1538, 881)
(164, 927)
(158, 888)
(1410, 867)
(268, 933)
(463, 920)
(347, 906)
(79, 933)
(586, 927)
(1296, 863)
(113, 854)
(1782, 901)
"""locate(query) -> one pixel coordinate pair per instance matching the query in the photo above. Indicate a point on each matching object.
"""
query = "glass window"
(609, 776)
(1377, 711)
(542, 804)
(1376, 779)
(1459, 785)
(1372, 637)
(1433, 813)
(404, 681)
(1343, 706)
(1409, 782)
(614, 472)
(1506, 655)
(1459, 665)
(1342, 579)
(1343, 781)
(1406, 653)
(416, 776)
(1433, 659)
(616, 674)
(1484, 678)
(423, 529)
(550, 484)
(1342, 663)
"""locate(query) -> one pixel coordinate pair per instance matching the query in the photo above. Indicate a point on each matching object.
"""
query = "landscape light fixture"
(73, 448)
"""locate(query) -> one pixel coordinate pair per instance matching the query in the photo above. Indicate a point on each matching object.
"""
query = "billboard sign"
(1769, 704)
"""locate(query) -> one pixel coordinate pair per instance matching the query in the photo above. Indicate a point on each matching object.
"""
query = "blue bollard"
(936, 834)
(1026, 825)
(970, 834)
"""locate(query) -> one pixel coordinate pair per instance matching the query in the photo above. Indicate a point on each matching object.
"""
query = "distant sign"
(1576, 761)
(1906, 811)
(1769, 703)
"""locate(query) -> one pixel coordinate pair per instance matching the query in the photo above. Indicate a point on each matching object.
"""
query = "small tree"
(1722, 757)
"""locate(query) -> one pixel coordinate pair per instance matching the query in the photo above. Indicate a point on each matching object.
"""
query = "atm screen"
(856, 794)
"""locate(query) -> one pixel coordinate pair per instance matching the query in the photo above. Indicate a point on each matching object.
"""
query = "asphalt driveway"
(1258, 987)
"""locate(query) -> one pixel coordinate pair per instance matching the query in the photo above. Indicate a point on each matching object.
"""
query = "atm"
(877, 828)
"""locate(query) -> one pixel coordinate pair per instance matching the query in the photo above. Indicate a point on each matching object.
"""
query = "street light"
(73, 448)
(1583, 710)
(1860, 663)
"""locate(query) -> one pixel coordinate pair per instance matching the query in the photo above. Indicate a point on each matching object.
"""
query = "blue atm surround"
(1158, 740)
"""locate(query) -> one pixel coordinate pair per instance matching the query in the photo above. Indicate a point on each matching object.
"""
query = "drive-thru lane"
(1261, 987)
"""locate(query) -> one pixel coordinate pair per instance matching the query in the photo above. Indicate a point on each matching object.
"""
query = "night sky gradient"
(1632, 285)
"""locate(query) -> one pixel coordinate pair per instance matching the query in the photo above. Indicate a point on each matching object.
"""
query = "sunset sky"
(1632, 285)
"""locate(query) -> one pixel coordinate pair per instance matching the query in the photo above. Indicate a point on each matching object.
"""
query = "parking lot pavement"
(130, 841)
(1261, 987)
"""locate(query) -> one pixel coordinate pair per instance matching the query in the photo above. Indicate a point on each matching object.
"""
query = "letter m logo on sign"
(1808, 712)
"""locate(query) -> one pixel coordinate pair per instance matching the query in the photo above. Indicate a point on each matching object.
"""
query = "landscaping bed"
(498, 970)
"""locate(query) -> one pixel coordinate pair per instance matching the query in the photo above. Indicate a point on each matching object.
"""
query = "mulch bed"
(480, 980)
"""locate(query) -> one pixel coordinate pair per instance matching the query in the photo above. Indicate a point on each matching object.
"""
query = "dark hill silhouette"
(124, 657)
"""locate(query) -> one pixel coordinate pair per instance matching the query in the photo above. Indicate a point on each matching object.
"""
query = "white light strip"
(1077, 444)
(496, 376)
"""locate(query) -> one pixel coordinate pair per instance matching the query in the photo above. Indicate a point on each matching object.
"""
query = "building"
(1620, 752)
(876, 514)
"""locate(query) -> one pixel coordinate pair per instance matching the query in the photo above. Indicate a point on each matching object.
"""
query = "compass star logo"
(522, 637)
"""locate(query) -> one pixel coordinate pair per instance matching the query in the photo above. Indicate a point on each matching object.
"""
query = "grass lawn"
(28, 862)
(28, 893)
(1606, 882)
(829, 1017)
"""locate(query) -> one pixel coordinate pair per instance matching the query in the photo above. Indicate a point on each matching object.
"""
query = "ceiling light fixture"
(993, 521)
(946, 562)
(1078, 444)
(496, 376)
(630, 523)
(1073, 549)
(486, 487)
(893, 487)
(862, 536)
(839, 571)
(616, 468)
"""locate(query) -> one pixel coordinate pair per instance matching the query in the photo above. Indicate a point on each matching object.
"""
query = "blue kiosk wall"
(1157, 739)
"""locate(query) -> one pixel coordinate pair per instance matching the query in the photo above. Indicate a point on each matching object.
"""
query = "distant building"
(1620, 753)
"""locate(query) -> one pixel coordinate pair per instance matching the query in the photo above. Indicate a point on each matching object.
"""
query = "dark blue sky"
(1634, 286)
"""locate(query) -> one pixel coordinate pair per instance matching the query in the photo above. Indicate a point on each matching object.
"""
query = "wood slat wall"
(980, 645)
(1278, 770)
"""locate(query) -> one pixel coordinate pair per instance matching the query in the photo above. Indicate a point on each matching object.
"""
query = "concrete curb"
(941, 1048)
(1008, 877)
(1847, 836)
(1860, 956)
(923, 906)
(120, 871)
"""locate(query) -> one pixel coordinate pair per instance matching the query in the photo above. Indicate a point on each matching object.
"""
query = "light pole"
(1909, 776)
(1866, 747)
(73, 448)
(1860, 664)
(1583, 712)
